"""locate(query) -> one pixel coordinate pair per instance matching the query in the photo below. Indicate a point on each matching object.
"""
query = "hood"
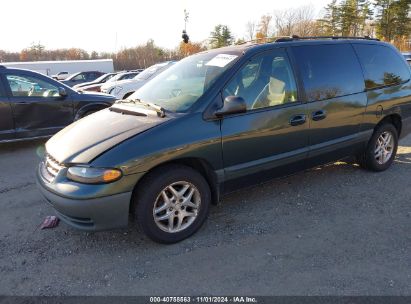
(89, 137)
(84, 84)
(95, 95)
(91, 86)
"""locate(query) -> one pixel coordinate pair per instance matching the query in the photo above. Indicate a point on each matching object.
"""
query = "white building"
(70, 66)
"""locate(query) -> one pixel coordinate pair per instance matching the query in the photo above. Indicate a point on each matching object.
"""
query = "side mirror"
(62, 92)
(232, 105)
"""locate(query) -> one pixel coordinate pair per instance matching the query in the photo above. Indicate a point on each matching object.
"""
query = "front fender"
(186, 137)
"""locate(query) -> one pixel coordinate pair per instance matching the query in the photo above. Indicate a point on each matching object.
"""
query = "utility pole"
(185, 36)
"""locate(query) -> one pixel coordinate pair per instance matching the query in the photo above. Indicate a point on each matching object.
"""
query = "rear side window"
(329, 71)
(382, 66)
(79, 77)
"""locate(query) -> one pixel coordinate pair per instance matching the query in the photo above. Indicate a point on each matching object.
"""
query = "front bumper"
(88, 213)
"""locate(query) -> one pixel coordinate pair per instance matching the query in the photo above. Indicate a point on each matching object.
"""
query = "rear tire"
(172, 203)
(381, 149)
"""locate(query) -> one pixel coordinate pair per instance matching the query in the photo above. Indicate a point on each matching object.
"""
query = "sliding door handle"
(318, 115)
(298, 119)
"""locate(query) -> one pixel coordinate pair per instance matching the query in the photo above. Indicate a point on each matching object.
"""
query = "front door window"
(28, 86)
(266, 81)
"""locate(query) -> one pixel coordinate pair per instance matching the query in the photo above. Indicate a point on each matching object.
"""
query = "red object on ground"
(50, 221)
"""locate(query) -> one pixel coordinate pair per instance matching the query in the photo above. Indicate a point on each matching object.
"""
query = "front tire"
(172, 203)
(381, 149)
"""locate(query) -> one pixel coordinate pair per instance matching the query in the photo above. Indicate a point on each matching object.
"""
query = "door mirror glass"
(232, 105)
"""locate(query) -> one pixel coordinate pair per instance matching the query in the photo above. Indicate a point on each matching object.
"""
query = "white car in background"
(124, 88)
(60, 75)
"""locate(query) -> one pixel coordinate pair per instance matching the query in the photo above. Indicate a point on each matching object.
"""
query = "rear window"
(382, 66)
(329, 71)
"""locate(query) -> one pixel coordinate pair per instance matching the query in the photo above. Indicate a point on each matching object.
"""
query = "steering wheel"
(31, 91)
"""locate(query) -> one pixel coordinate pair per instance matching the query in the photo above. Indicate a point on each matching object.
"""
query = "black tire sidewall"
(151, 188)
(371, 162)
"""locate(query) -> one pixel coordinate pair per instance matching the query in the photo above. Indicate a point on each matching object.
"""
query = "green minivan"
(225, 119)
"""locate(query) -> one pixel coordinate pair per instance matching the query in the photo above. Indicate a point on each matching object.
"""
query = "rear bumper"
(90, 214)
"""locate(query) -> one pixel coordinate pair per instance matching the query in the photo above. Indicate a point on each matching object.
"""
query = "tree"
(36, 50)
(186, 49)
(392, 19)
(331, 19)
(264, 27)
(304, 24)
(94, 55)
(284, 22)
(221, 36)
(348, 18)
(299, 21)
(250, 30)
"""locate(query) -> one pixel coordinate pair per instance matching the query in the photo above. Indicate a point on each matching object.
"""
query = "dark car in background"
(118, 77)
(81, 77)
(33, 105)
(224, 119)
(100, 80)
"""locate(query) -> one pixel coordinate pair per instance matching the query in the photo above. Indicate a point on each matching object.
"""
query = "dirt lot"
(335, 230)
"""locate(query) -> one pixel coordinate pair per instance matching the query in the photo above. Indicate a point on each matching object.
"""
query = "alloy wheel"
(177, 206)
(384, 148)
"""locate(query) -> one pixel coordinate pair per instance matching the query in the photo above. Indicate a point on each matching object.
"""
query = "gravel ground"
(334, 230)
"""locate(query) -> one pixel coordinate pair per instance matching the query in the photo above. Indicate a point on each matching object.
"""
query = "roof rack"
(295, 38)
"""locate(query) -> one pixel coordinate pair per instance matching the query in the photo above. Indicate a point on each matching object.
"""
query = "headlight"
(115, 90)
(88, 175)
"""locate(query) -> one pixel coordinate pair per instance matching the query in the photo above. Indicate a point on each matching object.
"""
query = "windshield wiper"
(161, 112)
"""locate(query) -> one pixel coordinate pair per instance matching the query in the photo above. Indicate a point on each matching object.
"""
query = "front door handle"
(298, 119)
(318, 115)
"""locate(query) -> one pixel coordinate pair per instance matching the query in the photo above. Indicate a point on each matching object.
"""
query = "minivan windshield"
(179, 87)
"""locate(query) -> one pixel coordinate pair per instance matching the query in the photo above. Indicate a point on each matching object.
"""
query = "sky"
(107, 26)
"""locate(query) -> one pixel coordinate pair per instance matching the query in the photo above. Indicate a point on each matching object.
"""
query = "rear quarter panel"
(387, 101)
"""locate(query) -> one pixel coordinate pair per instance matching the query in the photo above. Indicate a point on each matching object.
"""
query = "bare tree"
(250, 30)
(265, 26)
(284, 21)
(299, 21)
(304, 21)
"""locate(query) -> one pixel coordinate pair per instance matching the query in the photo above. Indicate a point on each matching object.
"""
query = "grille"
(51, 167)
